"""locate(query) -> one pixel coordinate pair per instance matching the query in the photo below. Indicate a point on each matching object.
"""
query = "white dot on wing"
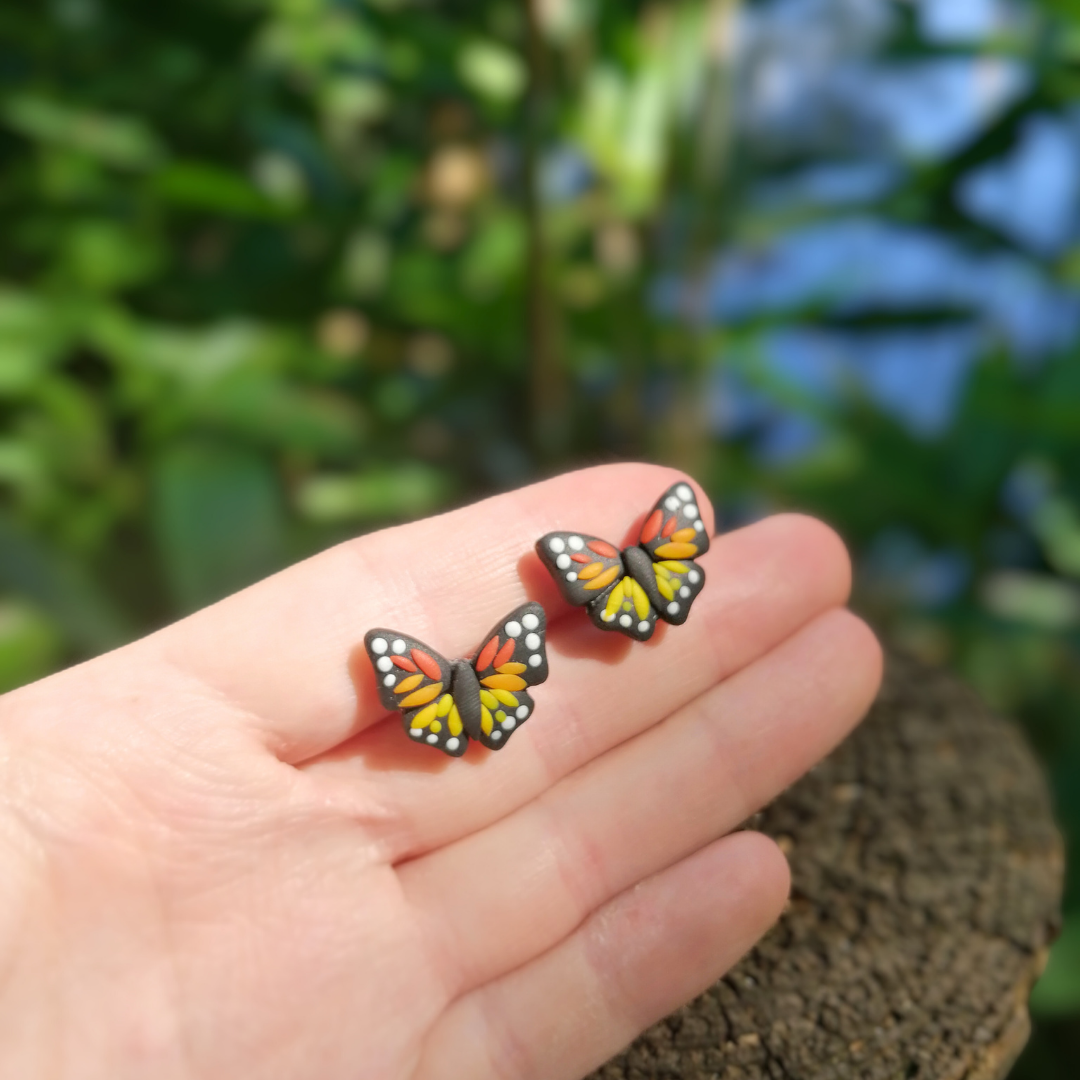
(416, 732)
(384, 663)
(671, 502)
(575, 542)
(557, 544)
(530, 621)
(399, 645)
(643, 626)
(694, 577)
(535, 660)
(389, 680)
(513, 628)
(496, 735)
(433, 738)
(684, 492)
(571, 576)
(378, 645)
(673, 609)
(608, 616)
(452, 744)
(532, 641)
(625, 620)
(522, 712)
(699, 525)
(684, 592)
(509, 723)
(563, 561)
(690, 510)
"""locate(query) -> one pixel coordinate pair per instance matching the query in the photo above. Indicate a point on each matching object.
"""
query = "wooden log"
(927, 876)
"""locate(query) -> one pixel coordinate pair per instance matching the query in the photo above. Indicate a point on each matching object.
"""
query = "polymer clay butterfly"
(447, 702)
(656, 578)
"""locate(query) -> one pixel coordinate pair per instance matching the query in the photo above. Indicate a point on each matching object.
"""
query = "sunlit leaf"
(407, 490)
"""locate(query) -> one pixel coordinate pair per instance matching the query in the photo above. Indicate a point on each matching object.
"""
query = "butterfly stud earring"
(444, 703)
(628, 591)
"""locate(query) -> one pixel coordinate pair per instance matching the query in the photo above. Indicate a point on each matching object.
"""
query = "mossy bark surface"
(927, 875)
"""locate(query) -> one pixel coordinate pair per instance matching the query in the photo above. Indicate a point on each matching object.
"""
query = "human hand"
(217, 860)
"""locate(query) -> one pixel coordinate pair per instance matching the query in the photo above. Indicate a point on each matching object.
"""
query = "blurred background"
(275, 272)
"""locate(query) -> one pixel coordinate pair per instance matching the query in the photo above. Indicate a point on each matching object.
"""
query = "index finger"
(279, 651)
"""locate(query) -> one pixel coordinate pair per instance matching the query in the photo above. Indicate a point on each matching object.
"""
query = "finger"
(279, 651)
(633, 962)
(765, 582)
(496, 899)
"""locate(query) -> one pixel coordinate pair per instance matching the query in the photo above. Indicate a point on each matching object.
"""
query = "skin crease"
(219, 858)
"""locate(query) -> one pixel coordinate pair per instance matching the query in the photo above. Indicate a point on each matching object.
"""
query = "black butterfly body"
(628, 591)
(444, 703)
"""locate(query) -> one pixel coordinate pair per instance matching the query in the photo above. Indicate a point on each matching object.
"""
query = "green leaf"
(33, 569)
(116, 140)
(30, 644)
(1057, 993)
(492, 71)
(381, 492)
(218, 518)
(204, 186)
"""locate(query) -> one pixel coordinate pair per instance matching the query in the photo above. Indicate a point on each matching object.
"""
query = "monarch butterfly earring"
(444, 703)
(629, 591)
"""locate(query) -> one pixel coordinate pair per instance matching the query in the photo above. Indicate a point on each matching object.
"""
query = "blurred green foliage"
(275, 271)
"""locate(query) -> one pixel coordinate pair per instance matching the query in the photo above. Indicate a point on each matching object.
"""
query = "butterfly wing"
(626, 606)
(674, 529)
(414, 678)
(672, 585)
(583, 567)
(512, 658)
(673, 535)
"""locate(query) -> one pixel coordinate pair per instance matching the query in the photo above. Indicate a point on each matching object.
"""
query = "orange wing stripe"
(605, 579)
(580, 557)
(511, 669)
(487, 654)
(504, 682)
(675, 551)
(602, 548)
(684, 536)
(422, 696)
(426, 664)
(504, 653)
(411, 683)
(404, 663)
(651, 527)
(590, 571)
(669, 528)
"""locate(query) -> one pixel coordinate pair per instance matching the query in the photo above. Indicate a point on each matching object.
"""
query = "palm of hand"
(218, 863)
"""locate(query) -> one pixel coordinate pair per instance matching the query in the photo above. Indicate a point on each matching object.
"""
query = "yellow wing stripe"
(590, 571)
(673, 567)
(618, 594)
(424, 716)
(422, 697)
(486, 723)
(640, 598)
(665, 587)
(511, 669)
(453, 721)
(604, 580)
(684, 536)
(506, 698)
(446, 703)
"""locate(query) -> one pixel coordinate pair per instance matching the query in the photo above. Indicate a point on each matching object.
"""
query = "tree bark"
(927, 877)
